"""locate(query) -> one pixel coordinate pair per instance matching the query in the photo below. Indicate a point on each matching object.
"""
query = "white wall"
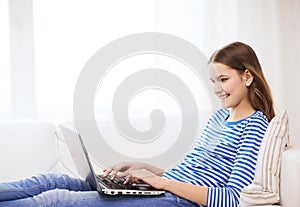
(290, 24)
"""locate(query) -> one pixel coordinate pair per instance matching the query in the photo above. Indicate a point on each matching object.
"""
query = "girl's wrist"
(166, 184)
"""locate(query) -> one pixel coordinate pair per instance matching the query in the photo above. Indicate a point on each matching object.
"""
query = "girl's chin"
(225, 105)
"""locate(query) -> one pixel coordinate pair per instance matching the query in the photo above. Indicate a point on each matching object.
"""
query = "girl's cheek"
(224, 86)
(227, 86)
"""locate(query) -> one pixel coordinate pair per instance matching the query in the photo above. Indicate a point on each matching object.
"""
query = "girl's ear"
(248, 78)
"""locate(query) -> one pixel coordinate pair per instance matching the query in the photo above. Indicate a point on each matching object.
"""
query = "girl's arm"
(194, 193)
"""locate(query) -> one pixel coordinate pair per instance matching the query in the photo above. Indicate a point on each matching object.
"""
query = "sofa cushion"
(265, 187)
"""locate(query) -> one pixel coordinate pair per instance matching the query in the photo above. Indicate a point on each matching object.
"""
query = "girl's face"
(230, 85)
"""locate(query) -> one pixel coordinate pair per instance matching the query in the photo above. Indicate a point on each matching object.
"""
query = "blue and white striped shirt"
(223, 158)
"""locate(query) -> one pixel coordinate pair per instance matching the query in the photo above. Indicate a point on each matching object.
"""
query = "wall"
(290, 13)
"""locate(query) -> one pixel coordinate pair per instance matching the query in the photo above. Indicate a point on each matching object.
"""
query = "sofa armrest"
(27, 147)
(290, 178)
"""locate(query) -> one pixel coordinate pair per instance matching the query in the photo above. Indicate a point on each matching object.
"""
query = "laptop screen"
(79, 155)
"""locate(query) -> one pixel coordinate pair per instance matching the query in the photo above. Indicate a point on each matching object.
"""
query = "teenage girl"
(221, 164)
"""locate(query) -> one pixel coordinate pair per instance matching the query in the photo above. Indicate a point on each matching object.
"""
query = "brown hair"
(240, 56)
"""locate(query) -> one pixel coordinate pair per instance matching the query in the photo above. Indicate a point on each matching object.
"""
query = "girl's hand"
(145, 176)
(125, 168)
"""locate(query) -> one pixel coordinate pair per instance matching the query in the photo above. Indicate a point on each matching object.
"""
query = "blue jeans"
(61, 190)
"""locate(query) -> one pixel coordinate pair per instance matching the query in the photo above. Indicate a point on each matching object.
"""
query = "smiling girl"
(214, 173)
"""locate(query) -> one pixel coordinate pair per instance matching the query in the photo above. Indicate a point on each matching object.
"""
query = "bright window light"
(67, 33)
(4, 60)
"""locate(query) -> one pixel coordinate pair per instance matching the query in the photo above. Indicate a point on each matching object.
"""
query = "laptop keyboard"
(116, 183)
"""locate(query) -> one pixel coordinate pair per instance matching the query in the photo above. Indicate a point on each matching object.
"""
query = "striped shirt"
(223, 158)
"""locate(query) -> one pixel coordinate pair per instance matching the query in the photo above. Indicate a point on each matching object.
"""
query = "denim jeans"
(61, 190)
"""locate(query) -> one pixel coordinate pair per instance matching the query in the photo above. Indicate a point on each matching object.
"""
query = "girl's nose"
(218, 87)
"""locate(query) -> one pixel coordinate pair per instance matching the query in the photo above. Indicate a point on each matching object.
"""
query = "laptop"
(98, 182)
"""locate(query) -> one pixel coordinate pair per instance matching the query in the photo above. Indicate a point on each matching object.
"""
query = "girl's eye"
(224, 79)
(212, 80)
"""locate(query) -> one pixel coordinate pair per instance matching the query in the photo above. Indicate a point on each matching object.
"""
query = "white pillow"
(265, 186)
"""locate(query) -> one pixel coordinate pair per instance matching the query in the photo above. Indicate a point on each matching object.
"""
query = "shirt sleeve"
(243, 169)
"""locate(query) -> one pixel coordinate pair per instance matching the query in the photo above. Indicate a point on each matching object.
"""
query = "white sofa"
(32, 147)
(29, 147)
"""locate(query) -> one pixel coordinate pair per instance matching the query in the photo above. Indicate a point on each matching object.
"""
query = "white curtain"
(4, 60)
(213, 24)
(271, 27)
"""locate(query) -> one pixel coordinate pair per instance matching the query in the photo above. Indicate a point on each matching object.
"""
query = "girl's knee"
(50, 197)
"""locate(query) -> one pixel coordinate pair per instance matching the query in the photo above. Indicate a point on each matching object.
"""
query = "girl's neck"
(240, 112)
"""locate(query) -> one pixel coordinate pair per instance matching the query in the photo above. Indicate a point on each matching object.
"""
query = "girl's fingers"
(111, 170)
(114, 174)
(127, 180)
(114, 170)
(125, 173)
(106, 172)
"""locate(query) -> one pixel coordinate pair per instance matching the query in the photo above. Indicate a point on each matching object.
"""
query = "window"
(67, 33)
(4, 60)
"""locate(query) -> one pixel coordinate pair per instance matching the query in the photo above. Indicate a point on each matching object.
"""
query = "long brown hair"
(240, 56)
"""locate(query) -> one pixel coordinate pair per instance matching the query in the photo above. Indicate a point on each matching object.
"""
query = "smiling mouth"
(223, 96)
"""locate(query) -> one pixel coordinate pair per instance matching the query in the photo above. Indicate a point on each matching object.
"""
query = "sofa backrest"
(290, 178)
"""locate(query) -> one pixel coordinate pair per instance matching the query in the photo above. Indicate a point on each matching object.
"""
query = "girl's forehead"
(219, 69)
